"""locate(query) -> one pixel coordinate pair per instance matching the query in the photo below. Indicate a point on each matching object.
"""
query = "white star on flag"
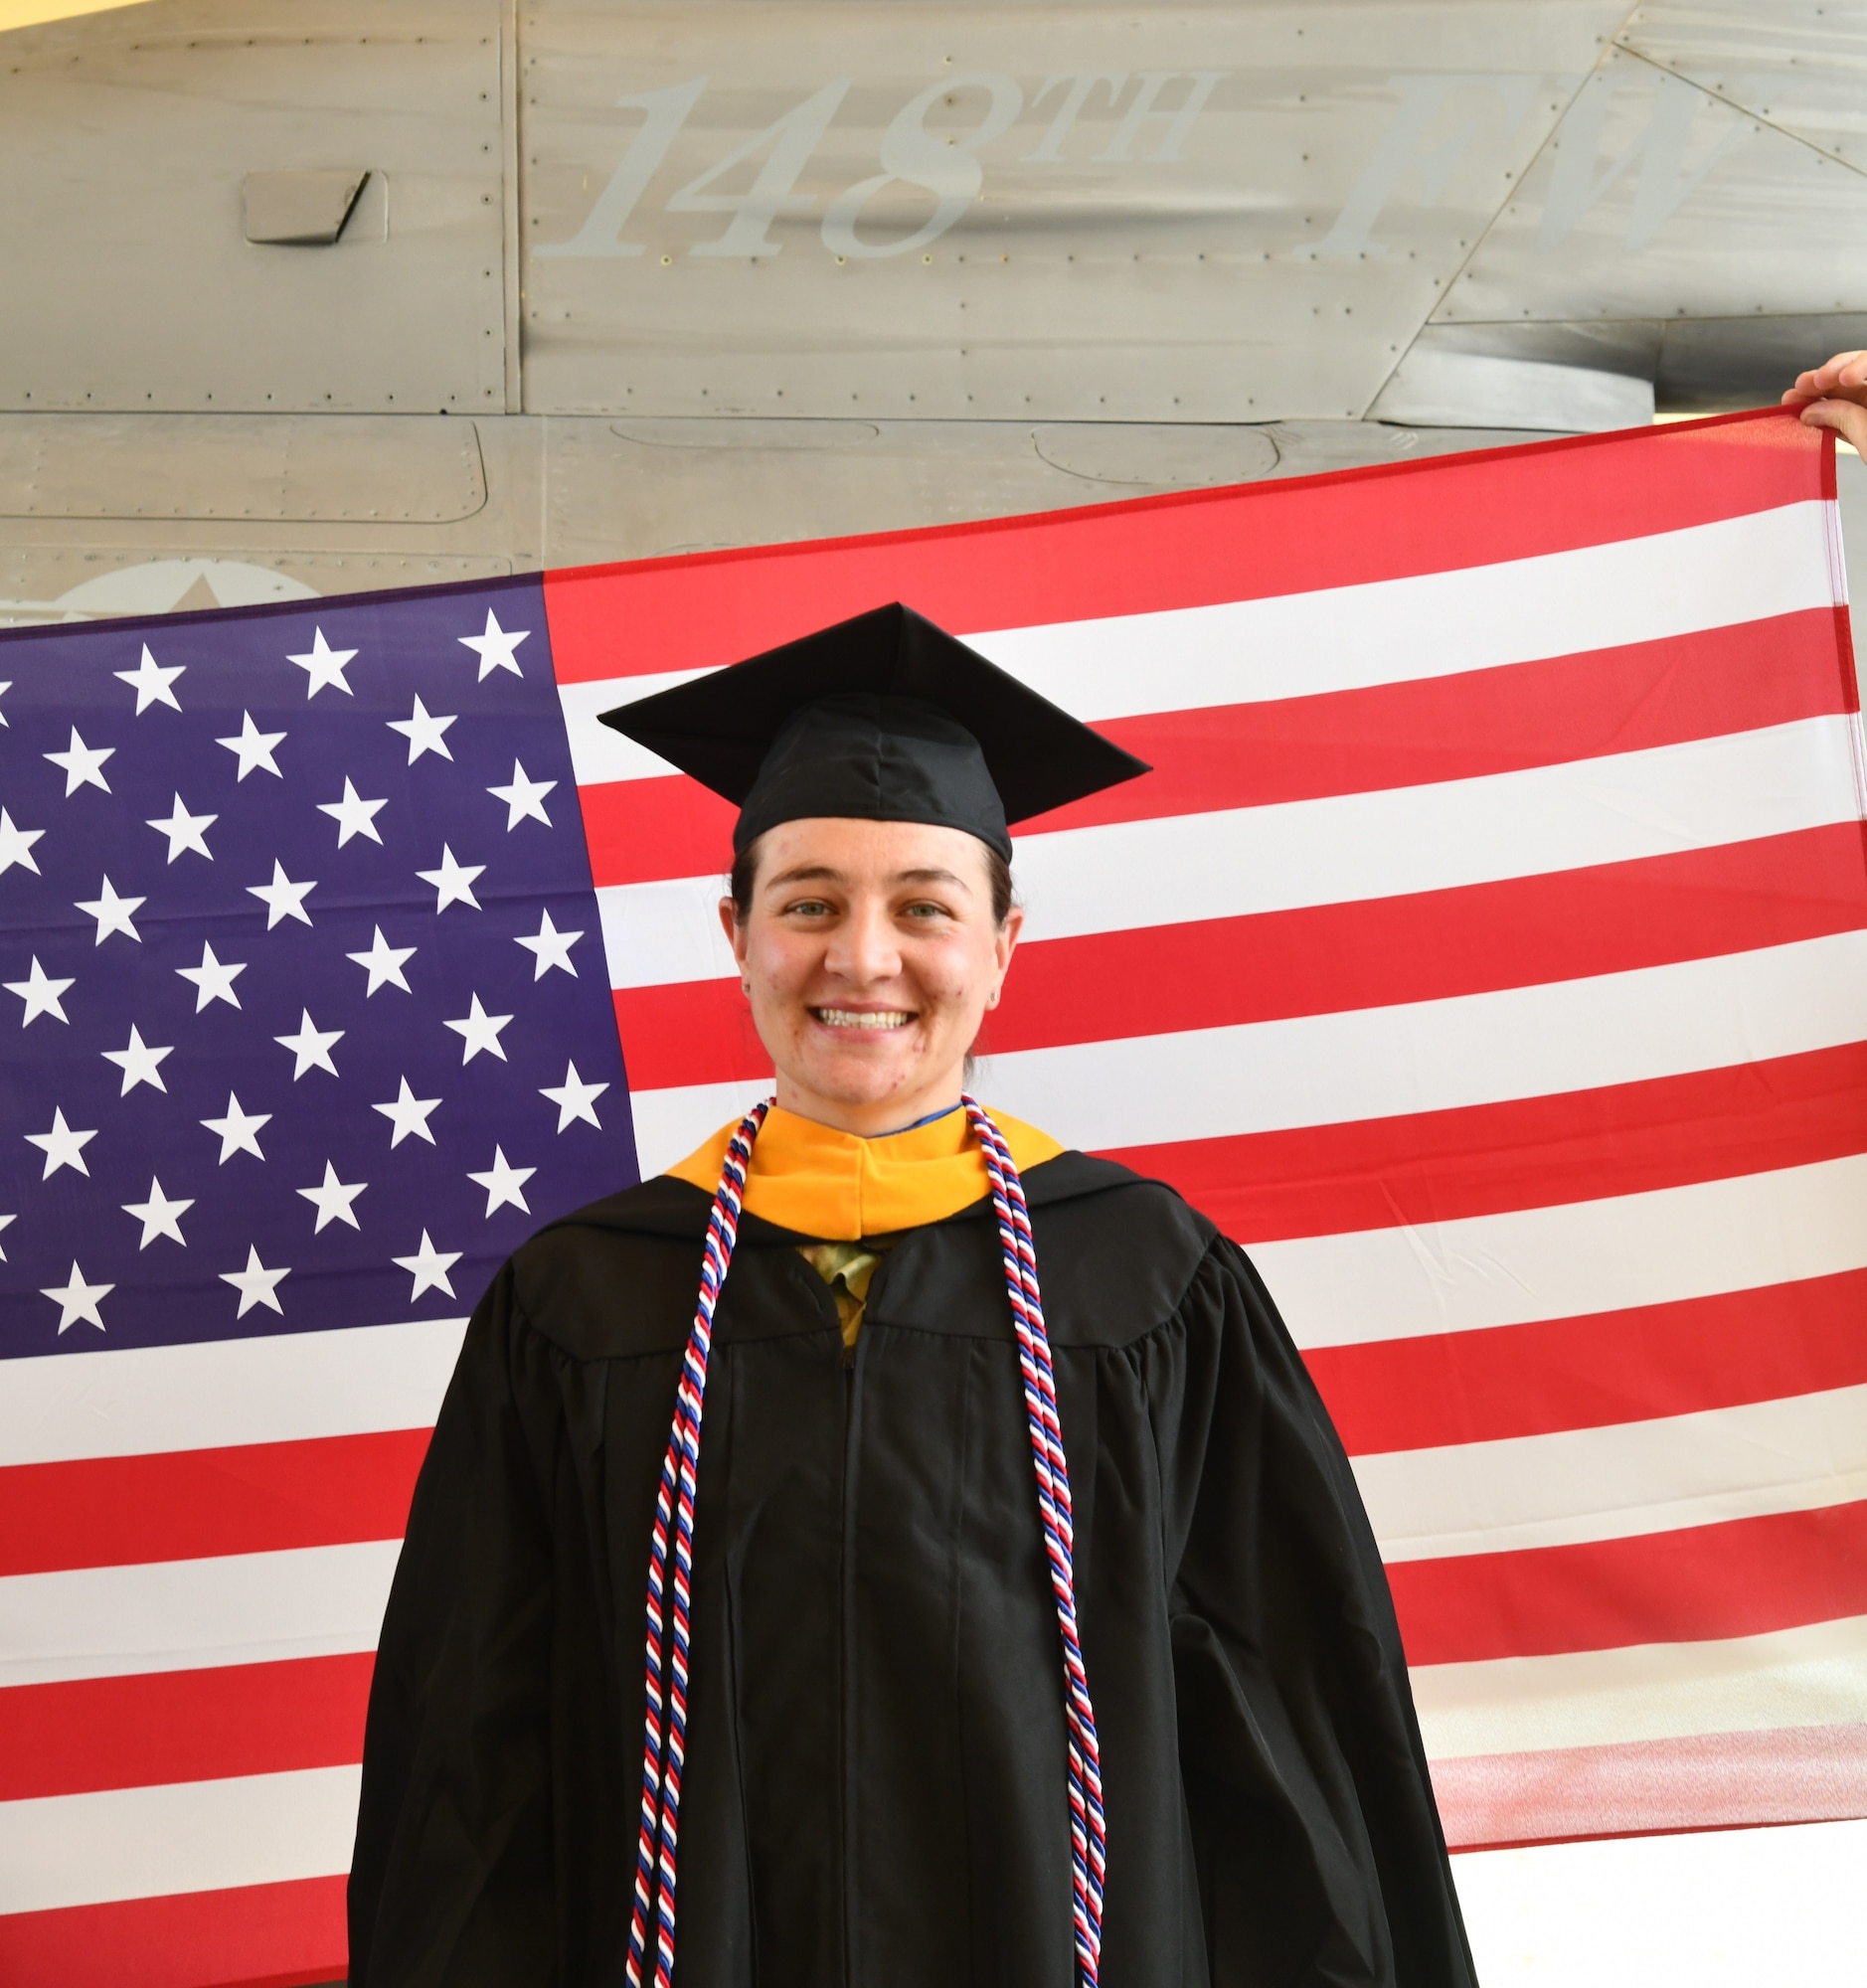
(255, 1285)
(62, 1146)
(185, 831)
(4, 688)
(503, 1182)
(574, 1098)
(139, 1061)
(323, 666)
(312, 1045)
(494, 648)
(83, 764)
(453, 882)
(353, 815)
(42, 994)
(239, 1129)
(384, 963)
(334, 1200)
(408, 1114)
(16, 845)
(159, 1215)
(151, 682)
(423, 729)
(524, 798)
(77, 1300)
(6, 1220)
(214, 981)
(282, 898)
(549, 947)
(114, 914)
(253, 746)
(429, 1267)
(479, 1031)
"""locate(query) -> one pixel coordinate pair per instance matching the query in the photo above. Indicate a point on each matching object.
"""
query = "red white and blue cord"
(663, 1756)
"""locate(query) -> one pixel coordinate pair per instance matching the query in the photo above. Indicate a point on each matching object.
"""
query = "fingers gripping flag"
(1488, 953)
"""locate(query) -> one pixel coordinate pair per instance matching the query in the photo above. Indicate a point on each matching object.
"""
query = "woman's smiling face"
(870, 955)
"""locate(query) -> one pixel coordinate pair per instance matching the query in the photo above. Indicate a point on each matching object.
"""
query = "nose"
(863, 951)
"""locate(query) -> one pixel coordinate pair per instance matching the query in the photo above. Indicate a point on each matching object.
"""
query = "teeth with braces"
(849, 1018)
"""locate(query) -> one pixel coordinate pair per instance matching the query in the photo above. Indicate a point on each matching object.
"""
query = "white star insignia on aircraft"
(77, 1300)
(63, 1146)
(479, 1031)
(6, 1220)
(384, 963)
(151, 682)
(83, 764)
(524, 798)
(423, 729)
(549, 947)
(114, 914)
(503, 1182)
(253, 746)
(239, 1129)
(186, 831)
(16, 845)
(408, 1114)
(139, 1061)
(312, 1045)
(494, 648)
(159, 1215)
(453, 882)
(324, 666)
(255, 1285)
(334, 1200)
(429, 1267)
(42, 994)
(213, 979)
(282, 898)
(353, 815)
(574, 1098)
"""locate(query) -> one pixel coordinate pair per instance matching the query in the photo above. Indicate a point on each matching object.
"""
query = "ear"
(1003, 945)
(735, 935)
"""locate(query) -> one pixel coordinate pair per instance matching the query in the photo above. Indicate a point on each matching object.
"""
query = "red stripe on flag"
(1539, 713)
(182, 1726)
(1627, 1365)
(106, 1511)
(1328, 958)
(259, 1936)
(1701, 1583)
(1532, 1152)
(1182, 550)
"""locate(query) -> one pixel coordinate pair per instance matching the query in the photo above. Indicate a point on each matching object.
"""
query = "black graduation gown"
(875, 1794)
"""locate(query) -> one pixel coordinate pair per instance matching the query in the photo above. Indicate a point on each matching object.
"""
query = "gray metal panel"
(412, 467)
(1269, 255)
(1656, 200)
(1800, 64)
(130, 284)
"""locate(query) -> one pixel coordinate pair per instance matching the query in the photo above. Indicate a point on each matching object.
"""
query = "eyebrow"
(824, 872)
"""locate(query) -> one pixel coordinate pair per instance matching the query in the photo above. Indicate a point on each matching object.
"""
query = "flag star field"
(304, 1021)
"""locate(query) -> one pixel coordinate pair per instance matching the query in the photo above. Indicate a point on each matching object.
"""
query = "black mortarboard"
(881, 718)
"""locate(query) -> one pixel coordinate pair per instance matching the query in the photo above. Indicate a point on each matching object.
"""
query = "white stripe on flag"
(222, 1392)
(59, 1851)
(1795, 1454)
(1345, 848)
(194, 1615)
(1810, 1676)
(1570, 1261)
(1434, 624)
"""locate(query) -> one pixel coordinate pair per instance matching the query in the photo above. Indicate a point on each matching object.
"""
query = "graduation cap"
(880, 717)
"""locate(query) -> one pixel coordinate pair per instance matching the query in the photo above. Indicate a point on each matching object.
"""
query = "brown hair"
(745, 878)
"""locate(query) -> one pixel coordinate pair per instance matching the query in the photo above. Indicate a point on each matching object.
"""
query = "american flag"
(1486, 954)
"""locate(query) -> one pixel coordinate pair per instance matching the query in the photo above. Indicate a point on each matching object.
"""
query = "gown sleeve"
(452, 1880)
(1315, 1836)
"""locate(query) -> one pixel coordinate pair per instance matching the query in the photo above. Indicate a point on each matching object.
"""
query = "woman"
(918, 1619)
